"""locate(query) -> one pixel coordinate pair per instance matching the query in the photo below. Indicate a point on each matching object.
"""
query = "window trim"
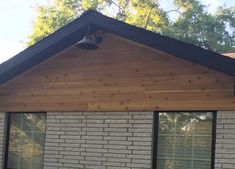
(6, 140)
(6, 136)
(155, 135)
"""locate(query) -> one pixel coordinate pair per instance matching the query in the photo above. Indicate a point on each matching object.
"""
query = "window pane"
(26, 140)
(184, 140)
(13, 159)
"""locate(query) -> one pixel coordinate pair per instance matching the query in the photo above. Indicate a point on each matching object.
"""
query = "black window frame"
(6, 135)
(155, 135)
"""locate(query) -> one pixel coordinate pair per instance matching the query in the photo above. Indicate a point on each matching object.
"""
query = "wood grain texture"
(119, 76)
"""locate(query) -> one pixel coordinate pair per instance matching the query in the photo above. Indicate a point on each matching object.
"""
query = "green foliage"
(198, 27)
(193, 25)
(149, 15)
(52, 17)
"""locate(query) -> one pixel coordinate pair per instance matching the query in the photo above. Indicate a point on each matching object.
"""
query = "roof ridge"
(90, 11)
(75, 30)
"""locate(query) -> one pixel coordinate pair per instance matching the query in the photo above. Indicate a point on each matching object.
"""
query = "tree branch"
(174, 10)
(117, 5)
(148, 17)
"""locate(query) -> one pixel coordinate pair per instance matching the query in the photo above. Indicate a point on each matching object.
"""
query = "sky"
(17, 18)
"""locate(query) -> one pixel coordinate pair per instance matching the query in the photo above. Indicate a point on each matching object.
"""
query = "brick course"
(115, 140)
(98, 140)
(225, 140)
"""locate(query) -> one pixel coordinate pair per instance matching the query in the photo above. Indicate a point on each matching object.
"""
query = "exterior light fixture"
(88, 42)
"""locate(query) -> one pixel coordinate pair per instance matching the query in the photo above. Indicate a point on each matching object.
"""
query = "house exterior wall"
(225, 140)
(115, 140)
(98, 140)
(2, 122)
(118, 140)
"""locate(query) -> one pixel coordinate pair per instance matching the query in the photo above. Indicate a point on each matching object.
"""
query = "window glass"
(184, 140)
(26, 140)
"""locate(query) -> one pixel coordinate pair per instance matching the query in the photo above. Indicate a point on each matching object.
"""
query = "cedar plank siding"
(230, 54)
(119, 76)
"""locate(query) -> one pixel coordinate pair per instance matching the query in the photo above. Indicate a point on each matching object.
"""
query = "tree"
(193, 25)
(196, 26)
(52, 17)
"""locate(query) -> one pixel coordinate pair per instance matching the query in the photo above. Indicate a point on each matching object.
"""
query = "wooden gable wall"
(119, 76)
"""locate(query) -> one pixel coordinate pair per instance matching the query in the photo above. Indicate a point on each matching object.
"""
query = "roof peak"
(89, 12)
(74, 31)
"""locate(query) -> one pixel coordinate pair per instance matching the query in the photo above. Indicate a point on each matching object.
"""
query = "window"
(183, 140)
(25, 140)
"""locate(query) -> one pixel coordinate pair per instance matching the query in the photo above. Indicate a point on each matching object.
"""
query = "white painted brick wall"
(2, 121)
(94, 140)
(225, 140)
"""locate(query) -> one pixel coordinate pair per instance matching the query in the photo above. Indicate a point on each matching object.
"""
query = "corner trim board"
(154, 140)
(213, 141)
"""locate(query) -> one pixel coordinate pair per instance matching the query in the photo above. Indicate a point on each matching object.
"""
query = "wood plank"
(114, 97)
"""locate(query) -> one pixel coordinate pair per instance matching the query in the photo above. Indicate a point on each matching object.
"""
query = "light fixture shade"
(87, 43)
